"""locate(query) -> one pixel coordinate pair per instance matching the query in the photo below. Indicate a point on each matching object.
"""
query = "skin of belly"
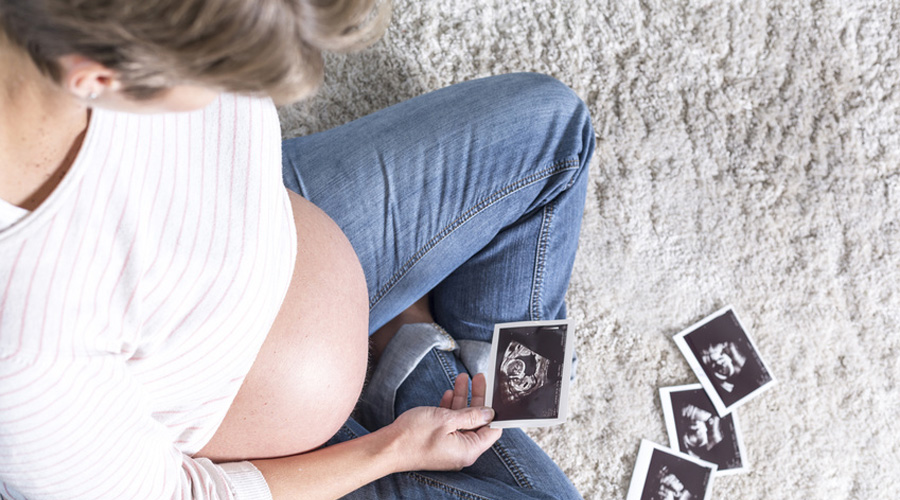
(309, 373)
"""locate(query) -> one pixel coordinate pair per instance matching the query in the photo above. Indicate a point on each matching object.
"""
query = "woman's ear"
(87, 79)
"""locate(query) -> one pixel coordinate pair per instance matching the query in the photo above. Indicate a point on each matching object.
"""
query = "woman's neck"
(41, 129)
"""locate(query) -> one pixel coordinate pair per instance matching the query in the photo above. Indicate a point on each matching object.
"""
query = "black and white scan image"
(529, 380)
(523, 372)
(662, 474)
(666, 486)
(725, 360)
(695, 428)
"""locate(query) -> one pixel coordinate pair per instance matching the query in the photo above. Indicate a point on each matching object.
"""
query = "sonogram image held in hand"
(523, 371)
(531, 365)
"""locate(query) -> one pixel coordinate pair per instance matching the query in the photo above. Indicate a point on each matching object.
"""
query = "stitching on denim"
(440, 355)
(512, 466)
(443, 332)
(446, 488)
(554, 169)
(445, 365)
(537, 284)
(346, 428)
(574, 178)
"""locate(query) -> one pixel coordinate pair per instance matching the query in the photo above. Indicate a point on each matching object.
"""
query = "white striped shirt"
(134, 300)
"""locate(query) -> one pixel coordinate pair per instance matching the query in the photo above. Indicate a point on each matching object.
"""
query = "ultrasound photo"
(523, 372)
(695, 428)
(528, 384)
(725, 359)
(663, 474)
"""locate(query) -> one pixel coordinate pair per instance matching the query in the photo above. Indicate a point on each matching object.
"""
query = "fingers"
(460, 392)
(471, 418)
(488, 435)
(458, 398)
(479, 388)
(482, 439)
(444, 439)
(477, 442)
(469, 429)
(446, 399)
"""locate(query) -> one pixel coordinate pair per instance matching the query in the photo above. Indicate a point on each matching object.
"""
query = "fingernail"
(487, 414)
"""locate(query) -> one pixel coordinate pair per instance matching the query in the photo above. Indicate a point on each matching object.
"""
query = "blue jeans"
(474, 192)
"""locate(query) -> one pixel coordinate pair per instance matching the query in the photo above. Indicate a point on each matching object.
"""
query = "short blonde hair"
(270, 47)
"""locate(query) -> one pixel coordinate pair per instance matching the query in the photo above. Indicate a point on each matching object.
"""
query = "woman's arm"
(448, 437)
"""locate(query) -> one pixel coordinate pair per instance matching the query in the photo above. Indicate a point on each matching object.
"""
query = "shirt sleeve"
(247, 482)
(81, 428)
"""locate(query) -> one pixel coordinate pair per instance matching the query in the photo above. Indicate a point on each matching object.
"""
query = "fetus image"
(523, 372)
(702, 431)
(725, 361)
(670, 487)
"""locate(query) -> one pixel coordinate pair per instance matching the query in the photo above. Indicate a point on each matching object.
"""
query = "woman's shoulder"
(132, 165)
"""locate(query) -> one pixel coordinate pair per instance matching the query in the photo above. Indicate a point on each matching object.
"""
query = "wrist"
(387, 448)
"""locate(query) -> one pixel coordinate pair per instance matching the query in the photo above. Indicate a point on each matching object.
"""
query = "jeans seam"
(446, 488)
(554, 169)
(437, 351)
(347, 428)
(517, 473)
(441, 354)
(444, 332)
(445, 365)
(537, 284)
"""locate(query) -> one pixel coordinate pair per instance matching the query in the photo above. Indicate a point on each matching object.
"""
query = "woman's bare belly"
(309, 373)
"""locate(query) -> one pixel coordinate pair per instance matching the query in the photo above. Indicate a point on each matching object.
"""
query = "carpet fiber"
(747, 154)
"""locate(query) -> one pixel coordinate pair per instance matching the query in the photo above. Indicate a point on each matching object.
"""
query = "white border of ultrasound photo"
(674, 443)
(491, 376)
(642, 469)
(695, 365)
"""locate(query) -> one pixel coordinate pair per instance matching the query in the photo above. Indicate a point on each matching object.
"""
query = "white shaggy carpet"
(747, 154)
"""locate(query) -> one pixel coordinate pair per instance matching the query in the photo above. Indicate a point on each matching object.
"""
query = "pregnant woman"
(186, 301)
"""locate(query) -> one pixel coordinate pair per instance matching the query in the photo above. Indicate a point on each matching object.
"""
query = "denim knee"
(548, 97)
(543, 114)
(550, 108)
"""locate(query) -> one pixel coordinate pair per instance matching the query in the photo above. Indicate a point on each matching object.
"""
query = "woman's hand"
(448, 437)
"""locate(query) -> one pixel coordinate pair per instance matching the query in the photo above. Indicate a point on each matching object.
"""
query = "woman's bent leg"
(475, 191)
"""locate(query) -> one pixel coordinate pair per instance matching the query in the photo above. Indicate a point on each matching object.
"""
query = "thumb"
(473, 418)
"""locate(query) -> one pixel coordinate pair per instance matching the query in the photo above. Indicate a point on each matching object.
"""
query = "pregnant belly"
(309, 373)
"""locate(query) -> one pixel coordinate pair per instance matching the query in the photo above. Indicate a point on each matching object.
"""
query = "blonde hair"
(270, 47)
